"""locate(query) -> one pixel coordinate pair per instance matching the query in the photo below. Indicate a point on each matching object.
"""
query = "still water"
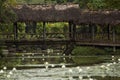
(56, 67)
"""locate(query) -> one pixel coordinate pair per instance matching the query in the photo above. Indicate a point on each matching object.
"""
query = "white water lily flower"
(88, 68)
(119, 60)
(70, 70)
(80, 70)
(1, 71)
(8, 76)
(10, 72)
(78, 67)
(52, 65)
(63, 66)
(80, 77)
(14, 69)
(5, 68)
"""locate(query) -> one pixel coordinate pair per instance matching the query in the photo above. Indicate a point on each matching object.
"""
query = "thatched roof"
(65, 13)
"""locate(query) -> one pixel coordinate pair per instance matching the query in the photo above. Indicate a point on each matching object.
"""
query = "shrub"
(87, 60)
(88, 51)
(87, 55)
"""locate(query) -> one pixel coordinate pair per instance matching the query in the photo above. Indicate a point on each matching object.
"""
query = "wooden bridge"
(71, 14)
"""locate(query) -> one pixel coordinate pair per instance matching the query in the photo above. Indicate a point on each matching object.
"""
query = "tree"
(112, 4)
(6, 12)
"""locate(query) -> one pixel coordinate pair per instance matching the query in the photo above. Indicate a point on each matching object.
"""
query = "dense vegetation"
(91, 4)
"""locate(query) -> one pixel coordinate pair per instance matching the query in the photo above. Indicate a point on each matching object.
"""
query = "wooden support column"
(34, 24)
(93, 32)
(44, 36)
(15, 31)
(108, 31)
(114, 47)
(44, 31)
(70, 30)
(74, 31)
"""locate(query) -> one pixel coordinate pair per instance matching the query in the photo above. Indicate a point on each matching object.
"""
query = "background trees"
(6, 13)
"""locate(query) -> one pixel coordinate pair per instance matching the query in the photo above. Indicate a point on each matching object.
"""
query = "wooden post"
(113, 33)
(93, 32)
(108, 31)
(34, 25)
(44, 31)
(70, 30)
(114, 47)
(74, 31)
(15, 31)
(44, 36)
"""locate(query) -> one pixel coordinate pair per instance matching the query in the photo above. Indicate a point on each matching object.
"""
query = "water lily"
(46, 63)
(80, 70)
(119, 60)
(70, 78)
(108, 65)
(43, 55)
(113, 56)
(58, 53)
(90, 79)
(78, 67)
(80, 77)
(88, 68)
(1, 71)
(63, 66)
(63, 54)
(48, 51)
(14, 69)
(5, 68)
(70, 70)
(33, 60)
(8, 76)
(52, 65)
(114, 63)
(63, 58)
(102, 66)
(113, 59)
(10, 72)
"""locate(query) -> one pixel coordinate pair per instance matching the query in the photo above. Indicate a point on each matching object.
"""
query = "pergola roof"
(65, 13)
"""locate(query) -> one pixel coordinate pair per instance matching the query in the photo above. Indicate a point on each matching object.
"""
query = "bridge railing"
(99, 37)
(25, 36)
(6, 36)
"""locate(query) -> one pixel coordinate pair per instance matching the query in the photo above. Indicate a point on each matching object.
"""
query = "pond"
(34, 66)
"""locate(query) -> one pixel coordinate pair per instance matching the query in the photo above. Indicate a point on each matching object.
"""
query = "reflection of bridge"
(75, 19)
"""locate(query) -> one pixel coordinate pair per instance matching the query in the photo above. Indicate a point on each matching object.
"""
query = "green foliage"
(112, 4)
(87, 51)
(6, 28)
(87, 60)
(89, 4)
(6, 13)
(89, 55)
(9, 63)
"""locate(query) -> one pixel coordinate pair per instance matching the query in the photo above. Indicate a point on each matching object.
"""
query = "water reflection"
(61, 67)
